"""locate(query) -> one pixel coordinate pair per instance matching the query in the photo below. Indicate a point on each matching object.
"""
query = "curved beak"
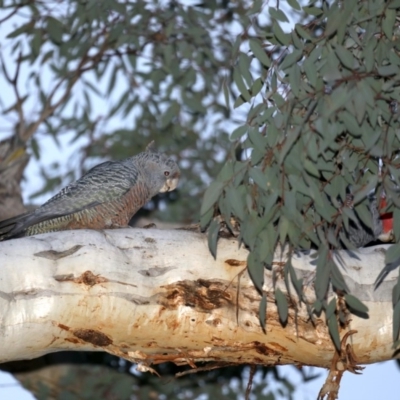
(170, 184)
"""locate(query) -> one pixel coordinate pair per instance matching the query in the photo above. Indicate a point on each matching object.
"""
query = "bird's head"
(162, 172)
(169, 174)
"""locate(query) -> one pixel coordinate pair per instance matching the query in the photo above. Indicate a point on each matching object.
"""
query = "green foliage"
(322, 120)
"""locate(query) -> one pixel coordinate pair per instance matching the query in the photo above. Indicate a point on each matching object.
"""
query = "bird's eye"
(166, 173)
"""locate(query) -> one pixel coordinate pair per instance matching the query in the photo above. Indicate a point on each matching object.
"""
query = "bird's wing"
(103, 183)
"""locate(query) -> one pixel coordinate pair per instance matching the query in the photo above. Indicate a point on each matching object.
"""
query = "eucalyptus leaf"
(239, 132)
(388, 23)
(241, 85)
(297, 283)
(211, 196)
(294, 4)
(334, 331)
(282, 304)
(213, 231)
(259, 52)
(256, 271)
(392, 254)
(331, 309)
(259, 178)
(345, 57)
(396, 222)
(239, 101)
(366, 189)
(262, 311)
(337, 277)
(280, 35)
(226, 94)
(388, 70)
(235, 198)
(396, 321)
(355, 303)
(323, 273)
(206, 218)
(277, 14)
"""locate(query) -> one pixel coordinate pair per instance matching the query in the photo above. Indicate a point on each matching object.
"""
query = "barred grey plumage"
(107, 196)
(359, 234)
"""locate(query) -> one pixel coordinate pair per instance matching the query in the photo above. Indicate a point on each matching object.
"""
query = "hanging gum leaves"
(322, 122)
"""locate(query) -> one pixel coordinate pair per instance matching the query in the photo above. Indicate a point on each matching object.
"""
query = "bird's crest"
(151, 147)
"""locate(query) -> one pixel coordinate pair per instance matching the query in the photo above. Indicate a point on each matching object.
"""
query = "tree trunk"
(13, 160)
(154, 296)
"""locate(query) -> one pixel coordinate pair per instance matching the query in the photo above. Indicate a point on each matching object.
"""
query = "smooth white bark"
(155, 295)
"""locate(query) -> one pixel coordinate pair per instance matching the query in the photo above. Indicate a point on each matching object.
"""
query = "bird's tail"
(13, 227)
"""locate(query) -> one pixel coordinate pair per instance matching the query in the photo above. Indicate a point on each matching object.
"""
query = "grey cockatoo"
(360, 235)
(107, 196)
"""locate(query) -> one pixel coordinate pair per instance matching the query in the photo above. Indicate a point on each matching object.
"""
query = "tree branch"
(154, 296)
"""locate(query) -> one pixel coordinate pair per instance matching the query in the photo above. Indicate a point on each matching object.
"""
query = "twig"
(14, 83)
(342, 361)
(207, 368)
(250, 382)
(9, 15)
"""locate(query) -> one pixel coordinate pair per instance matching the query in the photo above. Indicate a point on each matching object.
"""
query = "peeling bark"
(153, 296)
